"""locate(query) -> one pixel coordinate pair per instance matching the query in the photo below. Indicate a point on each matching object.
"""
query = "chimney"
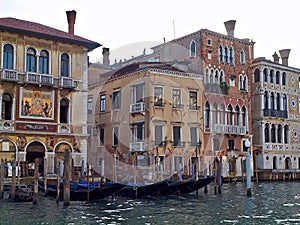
(229, 25)
(284, 53)
(105, 53)
(276, 58)
(71, 16)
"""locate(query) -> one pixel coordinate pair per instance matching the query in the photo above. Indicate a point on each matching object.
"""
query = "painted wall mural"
(37, 104)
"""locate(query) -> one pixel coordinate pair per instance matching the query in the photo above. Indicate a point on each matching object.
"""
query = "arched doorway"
(288, 163)
(33, 151)
(274, 162)
(59, 155)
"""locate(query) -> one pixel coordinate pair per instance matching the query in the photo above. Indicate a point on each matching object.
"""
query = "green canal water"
(270, 203)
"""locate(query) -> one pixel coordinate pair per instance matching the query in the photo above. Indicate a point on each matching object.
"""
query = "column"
(262, 134)
(261, 75)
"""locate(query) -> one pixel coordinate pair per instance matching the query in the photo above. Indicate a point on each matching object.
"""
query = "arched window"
(207, 115)
(279, 134)
(44, 62)
(265, 75)
(220, 53)
(64, 111)
(226, 55)
(284, 78)
(222, 77)
(284, 102)
(8, 56)
(267, 133)
(211, 76)
(237, 113)
(230, 116)
(245, 83)
(241, 82)
(207, 76)
(286, 134)
(272, 76)
(244, 116)
(278, 101)
(266, 100)
(272, 101)
(215, 113)
(217, 81)
(242, 57)
(64, 65)
(274, 162)
(231, 57)
(277, 77)
(192, 48)
(222, 114)
(256, 76)
(7, 106)
(273, 133)
(31, 60)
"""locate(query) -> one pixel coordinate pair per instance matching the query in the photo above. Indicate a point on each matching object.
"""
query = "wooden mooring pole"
(58, 180)
(36, 178)
(248, 174)
(67, 177)
(13, 181)
(2, 178)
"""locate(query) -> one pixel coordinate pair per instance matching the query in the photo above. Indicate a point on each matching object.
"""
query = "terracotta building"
(276, 117)
(44, 82)
(148, 118)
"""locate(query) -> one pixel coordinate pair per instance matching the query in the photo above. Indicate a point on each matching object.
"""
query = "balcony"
(137, 107)
(67, 82)
(9, 75)
(229, 129)
(7, 125)
(41, 79)
(137, 147)
(276, 113)
(221, 88)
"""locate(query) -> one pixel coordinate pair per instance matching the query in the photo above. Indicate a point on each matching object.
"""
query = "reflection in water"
(271, 203)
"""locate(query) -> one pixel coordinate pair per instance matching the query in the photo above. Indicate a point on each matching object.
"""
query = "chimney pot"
(276, 58)
(105, 53)
(229, 25)
(71, 16)
(284, 53)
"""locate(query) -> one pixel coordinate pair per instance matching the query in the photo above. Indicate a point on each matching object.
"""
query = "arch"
(44, 62)
(272, 98)
(65, 65)
(256, 75)
(237, 117)
(215, 113)
(192, 48)
(267, 133)
(59, 151)
(226, 54)
(278, 101)
(217, 80)
(283, 78)
(273, 133)
(277, 77)
(284, 102)
(230, 115)
(7, 104)
(31, 62)
(244, 116)
(274, 162)
(207, 80)
(279, 134)
(287, 163)
(8, 56)
(266, 105)
(286, 134)
(265, 72)
(272, 76)
(207, 114)
(220, 53)
(64, 110)
(36, 149)
(242, 57)
(231, 55)
(222, 114)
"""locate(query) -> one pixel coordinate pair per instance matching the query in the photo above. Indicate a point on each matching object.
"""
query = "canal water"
(270, 203)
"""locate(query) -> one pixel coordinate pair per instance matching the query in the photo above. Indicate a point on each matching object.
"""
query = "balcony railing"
(11, 75)
(137, 147)
(36, 78)
(275, 113)
(229, 129)
(67, 82)
(217, 88)
(281, 147)
(137, 107)
(7, 125)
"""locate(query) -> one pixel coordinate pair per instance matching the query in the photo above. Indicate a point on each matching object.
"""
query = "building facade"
(43, 93)
(276, 116)
(148, 119)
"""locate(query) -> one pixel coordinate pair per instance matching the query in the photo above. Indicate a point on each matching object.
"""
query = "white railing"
(281, 147)
(229, 129)
(137, 107)
(37, 78)
(9, 75)
(67, 82)
(137, 147)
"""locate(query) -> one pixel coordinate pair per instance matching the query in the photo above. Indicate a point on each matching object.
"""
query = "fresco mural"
(35, 103)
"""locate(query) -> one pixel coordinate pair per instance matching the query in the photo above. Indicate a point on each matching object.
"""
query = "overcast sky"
(115, 24)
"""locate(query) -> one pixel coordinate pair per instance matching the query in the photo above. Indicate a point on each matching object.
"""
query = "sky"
(125, 27)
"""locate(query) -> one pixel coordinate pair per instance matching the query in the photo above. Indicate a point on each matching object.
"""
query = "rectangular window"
(116, 100)
(159, 163)
(137, 132)
(89, 140)
(90, 105)
(178, 164)
(193, 100)
(137, 93)
(101, 165)
(115, 136)
(231, 144)
(102, 103)
(194, 136)
(101, 138)
(216, 143)
(176, 98)
(177, 136)
(159, 141)
(209, 42)
(158, 96)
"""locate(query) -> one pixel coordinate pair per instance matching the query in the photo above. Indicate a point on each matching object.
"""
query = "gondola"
(141, 191)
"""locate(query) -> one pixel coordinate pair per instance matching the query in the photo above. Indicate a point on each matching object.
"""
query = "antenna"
(174, 27)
